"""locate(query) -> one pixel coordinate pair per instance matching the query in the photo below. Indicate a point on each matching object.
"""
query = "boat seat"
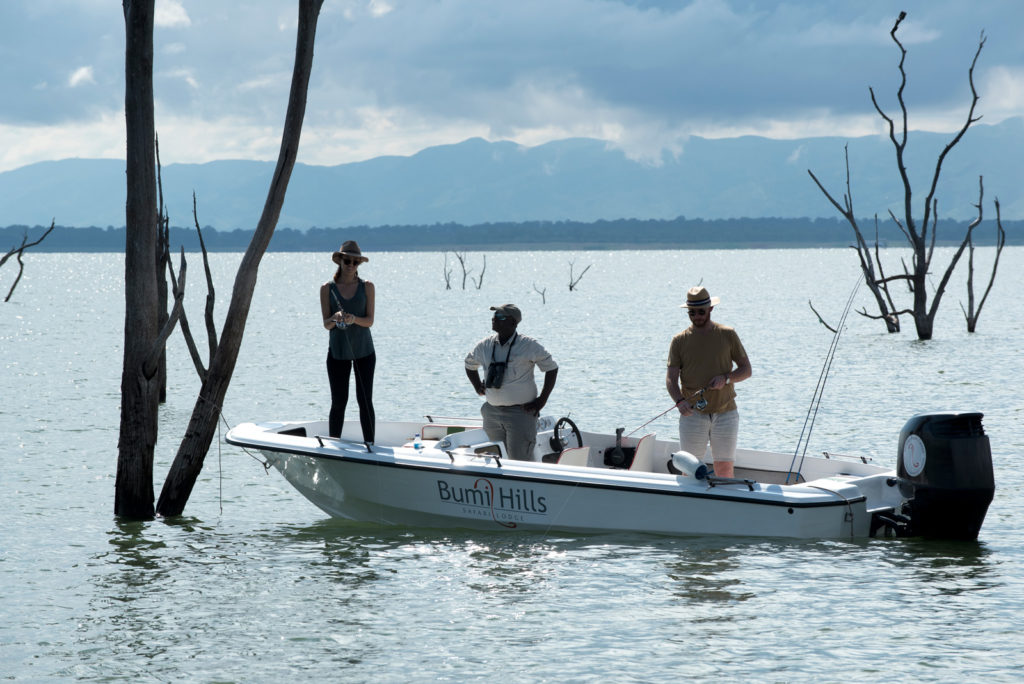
(576, 456)
(643, 458)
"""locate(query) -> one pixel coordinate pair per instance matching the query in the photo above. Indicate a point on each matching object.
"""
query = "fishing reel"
(702, 403)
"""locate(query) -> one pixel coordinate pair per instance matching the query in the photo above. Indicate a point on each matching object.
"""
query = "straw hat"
(349, 248)
(698, 298)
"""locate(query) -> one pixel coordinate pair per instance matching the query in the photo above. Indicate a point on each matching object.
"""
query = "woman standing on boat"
(347, 302)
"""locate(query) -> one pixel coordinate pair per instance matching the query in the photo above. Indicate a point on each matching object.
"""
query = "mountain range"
(578, 179)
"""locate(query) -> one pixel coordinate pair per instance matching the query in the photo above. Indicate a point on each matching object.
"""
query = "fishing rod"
(819, 390)
(701, 404)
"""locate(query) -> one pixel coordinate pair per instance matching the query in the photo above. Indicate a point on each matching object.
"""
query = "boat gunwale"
(516, 477)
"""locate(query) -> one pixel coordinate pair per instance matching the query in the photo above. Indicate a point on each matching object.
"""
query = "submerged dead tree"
(447, 273)
(574, 280)
(188, 462)
(920, 237)
(971, 314)
(479, 282)
(17, 253)
(461, 256)
(140, 384)
(144, 339)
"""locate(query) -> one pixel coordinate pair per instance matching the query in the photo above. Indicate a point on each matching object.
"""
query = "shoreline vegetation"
(678, 233)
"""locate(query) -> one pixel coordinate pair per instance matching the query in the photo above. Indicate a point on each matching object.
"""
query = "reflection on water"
(706, 575)
(949, 568)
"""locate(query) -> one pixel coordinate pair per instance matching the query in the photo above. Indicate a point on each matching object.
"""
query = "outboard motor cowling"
(944, 466)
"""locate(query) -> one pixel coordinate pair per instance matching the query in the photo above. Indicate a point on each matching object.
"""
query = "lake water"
(255, 585)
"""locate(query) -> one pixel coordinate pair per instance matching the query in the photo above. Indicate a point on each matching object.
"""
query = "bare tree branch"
(971, 314)
(461, 256)
(574, 281)
(877, 285)
(480, 281)
(543, 296)
(17, 252)
(820, 319)
(211, 328)
(447, 273)
(168, 327)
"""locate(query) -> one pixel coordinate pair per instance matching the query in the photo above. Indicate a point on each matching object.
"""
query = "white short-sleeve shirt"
(523, 353)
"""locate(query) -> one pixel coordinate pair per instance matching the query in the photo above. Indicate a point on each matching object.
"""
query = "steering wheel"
(558, 442)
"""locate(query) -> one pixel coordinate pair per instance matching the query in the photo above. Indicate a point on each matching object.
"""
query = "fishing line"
(819, 390)
(698, 393)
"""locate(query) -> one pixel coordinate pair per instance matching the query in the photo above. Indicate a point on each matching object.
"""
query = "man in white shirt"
(512, 404)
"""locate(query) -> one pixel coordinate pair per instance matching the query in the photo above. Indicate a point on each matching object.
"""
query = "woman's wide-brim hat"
(350, 249)
(698, 298)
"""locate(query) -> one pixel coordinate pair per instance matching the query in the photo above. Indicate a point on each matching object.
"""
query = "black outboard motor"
(945, 470)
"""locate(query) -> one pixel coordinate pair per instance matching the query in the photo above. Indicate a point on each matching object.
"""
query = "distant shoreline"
(630, 234)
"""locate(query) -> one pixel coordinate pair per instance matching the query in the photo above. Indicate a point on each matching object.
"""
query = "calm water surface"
(255, 584)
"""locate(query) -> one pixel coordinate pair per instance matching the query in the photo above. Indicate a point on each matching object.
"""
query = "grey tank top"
(353, 341)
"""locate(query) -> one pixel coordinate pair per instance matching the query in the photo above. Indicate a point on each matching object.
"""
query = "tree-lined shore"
(679, 233)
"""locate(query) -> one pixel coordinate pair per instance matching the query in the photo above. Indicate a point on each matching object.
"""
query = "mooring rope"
(849, 505)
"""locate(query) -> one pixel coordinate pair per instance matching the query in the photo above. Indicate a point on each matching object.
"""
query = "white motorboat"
(447, 473)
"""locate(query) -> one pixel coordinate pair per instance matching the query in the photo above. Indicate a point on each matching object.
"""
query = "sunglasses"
(500, 317)
(696, 312)
(350, 262)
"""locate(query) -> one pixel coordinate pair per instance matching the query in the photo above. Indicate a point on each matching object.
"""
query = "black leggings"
(337, 374)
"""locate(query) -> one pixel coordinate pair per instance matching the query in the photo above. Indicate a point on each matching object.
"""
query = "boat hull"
(432, 489)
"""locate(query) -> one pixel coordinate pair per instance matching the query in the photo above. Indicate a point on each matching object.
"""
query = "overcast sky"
(396, 76)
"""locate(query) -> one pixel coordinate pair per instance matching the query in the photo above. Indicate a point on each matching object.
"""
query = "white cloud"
(795, 155)
(184, 75)
(80, 76)
(1002, 94)
(103, 137)
(171, 14)
(378, 8)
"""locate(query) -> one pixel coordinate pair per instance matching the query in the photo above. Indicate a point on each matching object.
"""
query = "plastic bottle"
(416, 442)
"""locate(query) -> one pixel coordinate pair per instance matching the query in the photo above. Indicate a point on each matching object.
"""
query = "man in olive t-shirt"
(701, 366)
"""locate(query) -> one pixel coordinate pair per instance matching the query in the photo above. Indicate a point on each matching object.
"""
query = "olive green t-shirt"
(700, 357)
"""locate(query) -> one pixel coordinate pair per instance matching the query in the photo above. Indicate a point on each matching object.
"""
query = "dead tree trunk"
(461, 256)
(479, 282)
(971, 314)
(447, 273)
(133, 488)
(202, 426)
(163, 263)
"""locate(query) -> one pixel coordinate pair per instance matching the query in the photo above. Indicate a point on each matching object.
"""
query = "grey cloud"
(668, 63)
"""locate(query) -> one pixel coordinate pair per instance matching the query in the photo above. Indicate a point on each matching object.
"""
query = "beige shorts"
(696, 431)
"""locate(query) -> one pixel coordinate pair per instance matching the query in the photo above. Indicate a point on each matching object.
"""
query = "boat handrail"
(467, 419)
(847, 457)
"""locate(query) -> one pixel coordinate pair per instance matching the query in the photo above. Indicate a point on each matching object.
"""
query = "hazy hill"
(584, 180)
